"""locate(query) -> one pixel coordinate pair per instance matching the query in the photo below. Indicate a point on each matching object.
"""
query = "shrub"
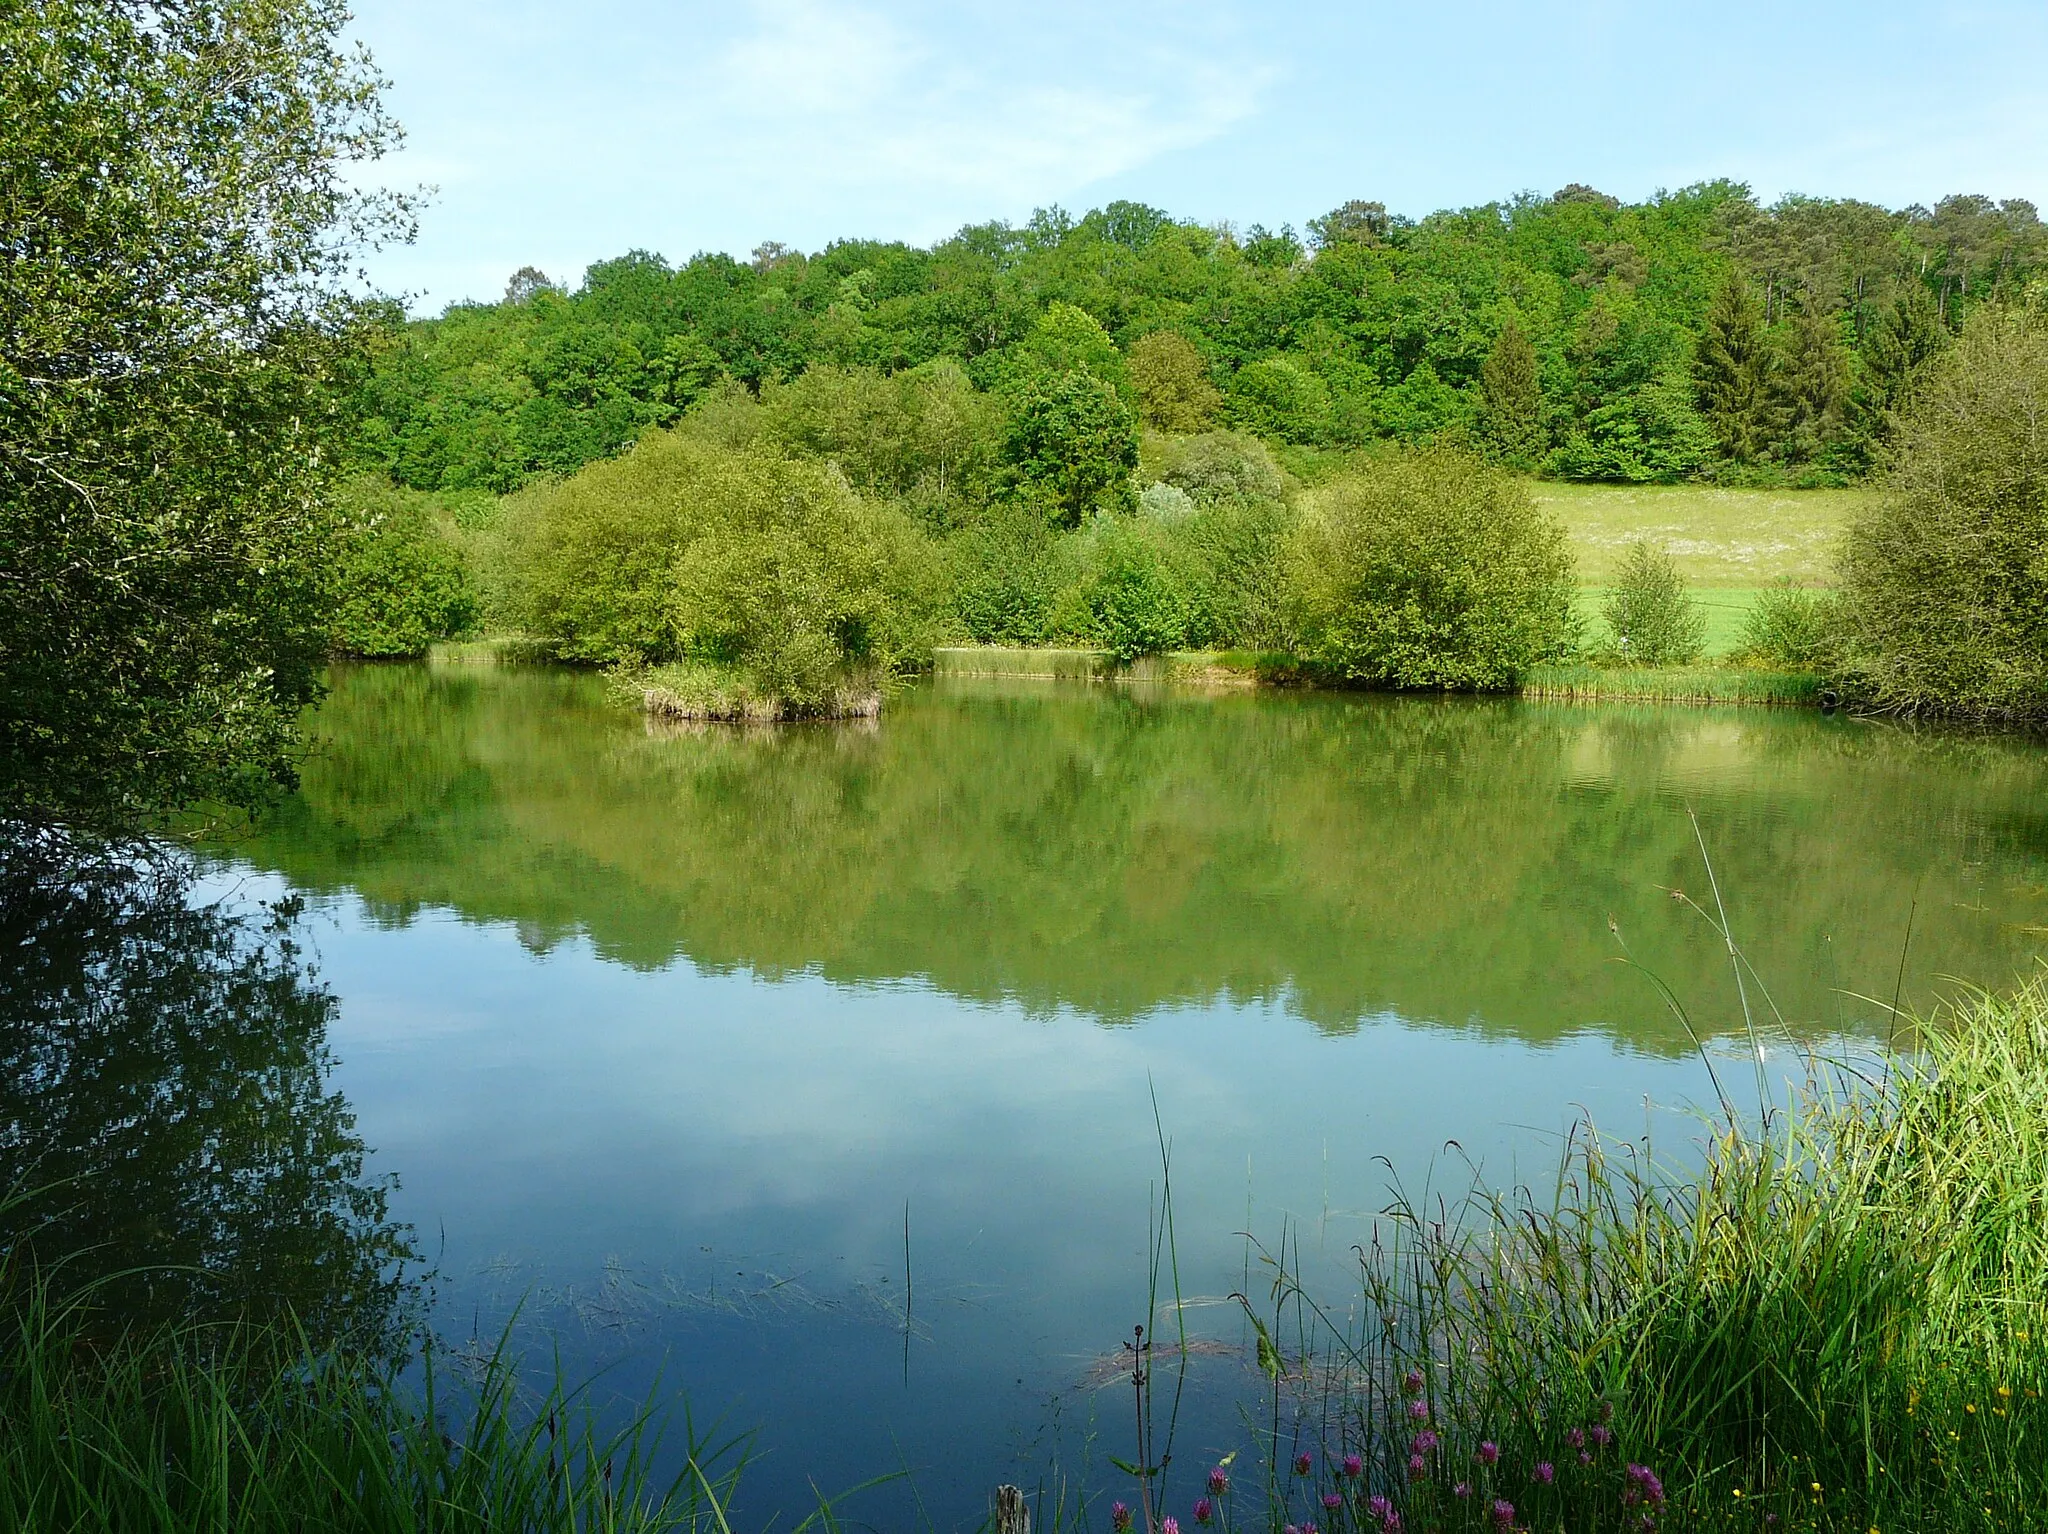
(1429, 569)
(797, 583)
(1008, 571)
(585, 560)
(1165, 504)
(1280, 397)
(1229, 553)
(1221, 464)
(1790, 626)
(1134, 594)
(1652, 619)
(400, 583)
(745, 559)
(1945, 580)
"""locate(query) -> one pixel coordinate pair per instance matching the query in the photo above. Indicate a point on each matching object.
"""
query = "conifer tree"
(1731, 371)
(1511, 398)
(1809, 386)
(1907, 336)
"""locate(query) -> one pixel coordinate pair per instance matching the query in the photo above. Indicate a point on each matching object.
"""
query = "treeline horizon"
(1694, 335)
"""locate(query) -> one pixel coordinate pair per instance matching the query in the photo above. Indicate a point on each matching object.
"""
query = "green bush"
(1429, 569)
(1072, 444)
(1280, 397)
(585, 560)
(1945, 580)
(797, 583)
(1790, 627)
(1134, 594)
(399, 582)
(1218, 465)
(1651, 618)
(1229, 553)
(741, 558)
(1009, 569)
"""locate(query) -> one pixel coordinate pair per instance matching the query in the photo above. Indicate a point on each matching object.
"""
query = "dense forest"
(1697, 334)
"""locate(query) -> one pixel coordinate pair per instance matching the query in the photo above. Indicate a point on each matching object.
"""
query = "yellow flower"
(1970, 1407)
(2005, 1392)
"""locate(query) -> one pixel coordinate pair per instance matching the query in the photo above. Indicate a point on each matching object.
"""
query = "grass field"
(1722, 539)
(1728, 543)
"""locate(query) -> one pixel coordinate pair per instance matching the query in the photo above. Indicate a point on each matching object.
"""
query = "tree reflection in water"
(164, 1107)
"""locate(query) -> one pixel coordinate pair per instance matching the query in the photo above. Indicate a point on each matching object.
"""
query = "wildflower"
(1462, 1489)
(1303, 1463)
(1393, 1523)
(1503, 1511)
(1333, 1502)
(1602, 1435)
(1425, 1442)
(1418, 1467)
(1290, 1529)
(1204, 1510)
(2005, 1392)
(1647, 1483)
(1308, 1528)
(1544, 1473)
(1585, 1458)
(1169, 1525)
(1378, 1507)
(1219, 1482)
(1411, 1383)
(1419, 1409)
(1489, 1453)
(1119, 1518)
(1576, 1438)
(1354, 1467)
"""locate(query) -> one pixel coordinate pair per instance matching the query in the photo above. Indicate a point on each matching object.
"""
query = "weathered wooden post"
(1013, 1513)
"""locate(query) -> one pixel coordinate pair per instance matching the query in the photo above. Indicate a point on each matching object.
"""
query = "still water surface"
(668, 1035)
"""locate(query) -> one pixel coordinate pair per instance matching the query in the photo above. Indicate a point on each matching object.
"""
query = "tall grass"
(227, 1428)
(1837, 1320)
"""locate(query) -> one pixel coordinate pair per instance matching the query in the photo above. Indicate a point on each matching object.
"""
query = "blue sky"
(561, 134)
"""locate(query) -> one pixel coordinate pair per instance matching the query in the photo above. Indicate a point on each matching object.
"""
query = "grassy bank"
(1673, 684)
(233, 1430)
(1639, 684)
(1838, 1322)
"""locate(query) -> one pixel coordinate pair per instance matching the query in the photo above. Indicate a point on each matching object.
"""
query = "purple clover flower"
(1462, 1489)
(1379, 1507)
(1576, 1438)
(1603, 1435)
(1204, 1510)
(1219, 1482)
(1169, 1525)
(1503, 1511)
(1647, 1484)
(1489, 1453)
(1544, 1473)
(1119, 1518)
(1419, 1409)
(1425, 1442)
(1418, 1467)
(1354, 1467)
(1332, 1502)
(1411, 1383)
(1304, 1462)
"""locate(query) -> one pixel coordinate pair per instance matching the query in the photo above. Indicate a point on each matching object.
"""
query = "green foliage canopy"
(177, 214)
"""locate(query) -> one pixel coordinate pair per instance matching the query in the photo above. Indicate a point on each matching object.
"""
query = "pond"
(694, 1049)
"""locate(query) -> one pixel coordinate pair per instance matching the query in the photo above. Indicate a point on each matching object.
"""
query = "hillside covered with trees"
(1694, 335)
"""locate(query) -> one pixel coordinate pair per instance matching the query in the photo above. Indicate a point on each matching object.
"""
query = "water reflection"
(1455, 862)
(164, 1104)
